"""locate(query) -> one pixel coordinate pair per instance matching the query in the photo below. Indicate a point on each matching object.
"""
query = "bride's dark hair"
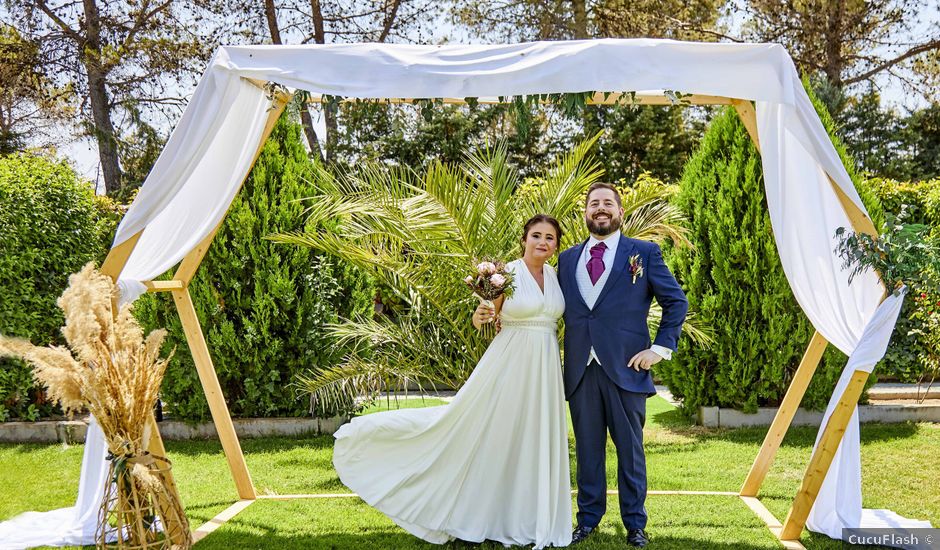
(540, 218)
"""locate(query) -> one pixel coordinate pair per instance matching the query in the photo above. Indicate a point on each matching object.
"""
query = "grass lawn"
(900, 466)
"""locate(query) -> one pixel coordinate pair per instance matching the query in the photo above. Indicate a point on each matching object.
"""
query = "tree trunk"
(312, 141)
(90, 56)
(270, 15)
(833, 47)
(579, 8)
(390, 15)
(329, 113)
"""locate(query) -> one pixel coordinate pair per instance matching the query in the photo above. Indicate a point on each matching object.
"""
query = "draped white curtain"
(839, 503)
(72, 526)
(209, 153)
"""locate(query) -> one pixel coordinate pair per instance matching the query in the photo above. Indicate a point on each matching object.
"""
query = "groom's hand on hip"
(644, 360)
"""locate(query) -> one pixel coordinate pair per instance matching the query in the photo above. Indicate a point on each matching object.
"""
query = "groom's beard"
(604, 227)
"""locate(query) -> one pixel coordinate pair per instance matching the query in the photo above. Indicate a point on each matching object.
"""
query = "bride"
(493, 463)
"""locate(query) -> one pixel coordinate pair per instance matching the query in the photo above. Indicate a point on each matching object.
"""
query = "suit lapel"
(571, 274)
(624, 250)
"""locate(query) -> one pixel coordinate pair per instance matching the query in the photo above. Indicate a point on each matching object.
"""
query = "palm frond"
(700, 332)
(656, 221)
(330, 388)
(419, 234)
(567, 181)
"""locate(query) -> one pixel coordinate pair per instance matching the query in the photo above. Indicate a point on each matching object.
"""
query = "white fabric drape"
(195, 178)
(73, 526)
(839, 503)
(209, 152)
(203, 161)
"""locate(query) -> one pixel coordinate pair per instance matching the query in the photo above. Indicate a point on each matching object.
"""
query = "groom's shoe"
(581, 533)
(637, 538)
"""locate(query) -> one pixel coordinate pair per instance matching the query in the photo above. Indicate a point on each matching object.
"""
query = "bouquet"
(489, 281)
(113, 371)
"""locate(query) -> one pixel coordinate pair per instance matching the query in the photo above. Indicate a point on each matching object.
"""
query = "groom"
(608, 282)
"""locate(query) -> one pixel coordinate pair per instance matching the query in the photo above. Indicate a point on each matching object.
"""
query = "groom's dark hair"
(602, 185)
(539, 218)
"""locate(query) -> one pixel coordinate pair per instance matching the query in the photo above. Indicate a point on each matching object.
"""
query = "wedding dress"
(493, 463)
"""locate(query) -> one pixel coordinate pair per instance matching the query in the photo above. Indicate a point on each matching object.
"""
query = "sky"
(83, 153)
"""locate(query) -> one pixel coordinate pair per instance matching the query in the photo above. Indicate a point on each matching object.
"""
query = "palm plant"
(419, 234)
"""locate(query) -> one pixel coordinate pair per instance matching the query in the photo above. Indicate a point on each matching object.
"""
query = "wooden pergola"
(787, 532)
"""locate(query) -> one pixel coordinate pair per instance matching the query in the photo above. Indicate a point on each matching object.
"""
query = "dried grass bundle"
(115, 374)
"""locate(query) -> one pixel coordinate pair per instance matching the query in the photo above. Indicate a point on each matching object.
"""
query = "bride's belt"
(541, 325)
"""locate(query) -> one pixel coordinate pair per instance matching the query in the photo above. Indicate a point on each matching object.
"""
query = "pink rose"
(486, 268)
(497, 280)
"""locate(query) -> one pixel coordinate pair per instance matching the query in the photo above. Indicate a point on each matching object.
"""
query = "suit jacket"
(616, 326)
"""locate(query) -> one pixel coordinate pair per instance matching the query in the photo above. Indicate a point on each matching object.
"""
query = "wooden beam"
(861, 223)
(822, 457)
(187, 269)
(208, 527)
(190, 263)
(210, 384)
(597, 99)
(178, 536)
(784, 417)
(658, 99)
(163, 286)
(773, 524)
(748, 116)
(117, 257)
(255, 82)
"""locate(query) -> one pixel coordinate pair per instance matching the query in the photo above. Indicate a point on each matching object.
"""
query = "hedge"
(51, 224)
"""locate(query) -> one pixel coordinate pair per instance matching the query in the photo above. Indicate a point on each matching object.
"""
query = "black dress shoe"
(637, 538)
(581, 533)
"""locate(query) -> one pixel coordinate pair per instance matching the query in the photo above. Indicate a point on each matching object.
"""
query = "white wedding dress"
(493, 463)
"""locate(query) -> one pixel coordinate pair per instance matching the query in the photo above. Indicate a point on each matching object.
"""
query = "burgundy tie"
(595, 265)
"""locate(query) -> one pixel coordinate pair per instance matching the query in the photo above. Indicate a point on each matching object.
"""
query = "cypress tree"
(263, 306)
(735, 282)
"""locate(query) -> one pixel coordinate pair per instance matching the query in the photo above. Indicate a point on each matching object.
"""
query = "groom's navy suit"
(602, 391)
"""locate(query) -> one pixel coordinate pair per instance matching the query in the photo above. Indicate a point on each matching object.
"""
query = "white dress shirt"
(590, 292)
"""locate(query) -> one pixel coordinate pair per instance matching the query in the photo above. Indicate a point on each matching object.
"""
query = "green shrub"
(263, 306)
(921, 198)
(50, 226)
(921, 201)
(734, 279)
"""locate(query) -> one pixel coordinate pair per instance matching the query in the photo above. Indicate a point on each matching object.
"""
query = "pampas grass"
(114, 372)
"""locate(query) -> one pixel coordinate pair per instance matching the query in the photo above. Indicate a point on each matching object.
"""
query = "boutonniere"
(636, 267)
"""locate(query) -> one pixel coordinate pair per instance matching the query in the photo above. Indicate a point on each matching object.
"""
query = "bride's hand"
(483, 314)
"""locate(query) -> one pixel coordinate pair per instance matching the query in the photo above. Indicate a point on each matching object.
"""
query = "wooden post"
(210, 384)
(179, 537)
(114, 264)
(748, 116)
(822, 458)
(118, 255)
(197, 342)
(784, 417)
(860, 222)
